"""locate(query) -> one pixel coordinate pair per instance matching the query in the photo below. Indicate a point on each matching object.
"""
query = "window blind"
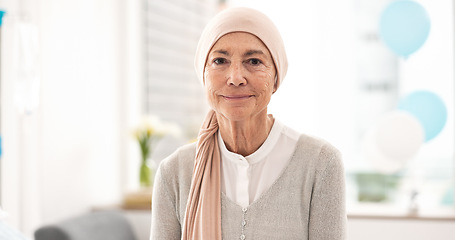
(172, 30)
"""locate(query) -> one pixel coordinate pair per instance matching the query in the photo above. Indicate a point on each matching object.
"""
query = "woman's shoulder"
(181, 159)
(307, 143)
(318, 151)
(315, 143)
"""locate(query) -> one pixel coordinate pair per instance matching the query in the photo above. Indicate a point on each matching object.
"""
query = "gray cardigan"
(307, 201)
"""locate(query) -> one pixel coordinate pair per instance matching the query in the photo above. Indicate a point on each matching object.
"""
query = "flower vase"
(146, 175)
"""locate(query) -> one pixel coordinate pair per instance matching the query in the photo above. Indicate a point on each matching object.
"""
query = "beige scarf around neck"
(203, 210)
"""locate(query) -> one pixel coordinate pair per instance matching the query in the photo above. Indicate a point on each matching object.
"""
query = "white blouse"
(245, 179)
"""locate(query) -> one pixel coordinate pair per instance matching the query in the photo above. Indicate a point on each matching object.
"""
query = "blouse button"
(244, 209)
(242, 237)
(244, 223)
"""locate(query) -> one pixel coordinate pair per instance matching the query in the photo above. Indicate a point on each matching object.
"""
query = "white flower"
(171, 129)
(155, 127)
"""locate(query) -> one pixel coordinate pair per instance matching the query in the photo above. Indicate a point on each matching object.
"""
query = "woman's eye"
(219, 61)
(254, 61)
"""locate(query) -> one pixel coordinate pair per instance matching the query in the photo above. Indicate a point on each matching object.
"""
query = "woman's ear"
(275, 87)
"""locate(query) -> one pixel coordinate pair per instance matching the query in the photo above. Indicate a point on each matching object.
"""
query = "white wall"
(72, 153)
(361, 229)
(80, 99)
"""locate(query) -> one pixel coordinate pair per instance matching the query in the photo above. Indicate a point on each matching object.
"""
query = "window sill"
(388, 212)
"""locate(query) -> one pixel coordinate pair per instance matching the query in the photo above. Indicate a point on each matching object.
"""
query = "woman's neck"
(245, 137)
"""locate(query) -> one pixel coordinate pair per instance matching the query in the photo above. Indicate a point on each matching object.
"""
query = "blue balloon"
(1, 16)
(429, 109)
(404, 27)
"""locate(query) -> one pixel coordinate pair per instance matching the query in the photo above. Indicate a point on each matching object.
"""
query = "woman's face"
(239, 76)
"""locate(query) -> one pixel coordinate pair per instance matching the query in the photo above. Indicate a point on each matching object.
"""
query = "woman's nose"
(236, 75)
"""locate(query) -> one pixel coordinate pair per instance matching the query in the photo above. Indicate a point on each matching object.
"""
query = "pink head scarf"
(203, 212)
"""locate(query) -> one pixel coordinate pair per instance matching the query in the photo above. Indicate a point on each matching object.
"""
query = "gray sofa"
(107, 225)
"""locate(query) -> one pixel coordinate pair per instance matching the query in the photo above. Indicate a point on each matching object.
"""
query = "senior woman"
(248, 176)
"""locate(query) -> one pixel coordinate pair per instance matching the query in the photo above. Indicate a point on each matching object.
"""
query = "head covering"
(203, 211)
(242, 20)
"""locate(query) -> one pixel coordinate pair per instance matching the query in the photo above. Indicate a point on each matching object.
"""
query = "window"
(172, 90)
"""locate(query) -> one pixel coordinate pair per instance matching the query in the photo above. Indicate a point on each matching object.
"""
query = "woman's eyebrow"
(224, 52)
(252, 52)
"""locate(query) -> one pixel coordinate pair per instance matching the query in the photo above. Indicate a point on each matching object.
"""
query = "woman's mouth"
(237, 97)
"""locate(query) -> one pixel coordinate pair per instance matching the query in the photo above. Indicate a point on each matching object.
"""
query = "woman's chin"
(238, 115)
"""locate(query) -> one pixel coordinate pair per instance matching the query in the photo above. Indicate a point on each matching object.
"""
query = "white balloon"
(393, 141)
(400, 135)
(376, 158)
